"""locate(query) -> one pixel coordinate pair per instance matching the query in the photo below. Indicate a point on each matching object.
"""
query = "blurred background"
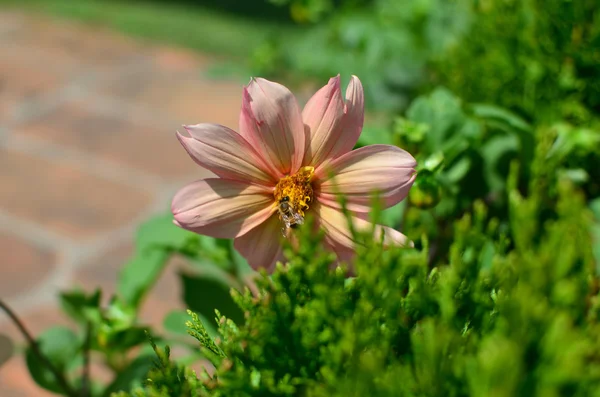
(91, 92)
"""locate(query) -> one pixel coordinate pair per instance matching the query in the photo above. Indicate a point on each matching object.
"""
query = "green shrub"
(513, 312)
(539, 58)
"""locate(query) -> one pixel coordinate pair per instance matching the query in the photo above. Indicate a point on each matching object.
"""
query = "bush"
(514, 311)
(537, 58)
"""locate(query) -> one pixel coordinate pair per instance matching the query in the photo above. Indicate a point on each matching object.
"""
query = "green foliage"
(512, 312)
(61, 346)
(154, 242)
(167, 378)
(537, 57)
(463, 152)
(197, 329)
(386, 43)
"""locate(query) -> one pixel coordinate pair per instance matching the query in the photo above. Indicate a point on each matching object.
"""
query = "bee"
(288, 214)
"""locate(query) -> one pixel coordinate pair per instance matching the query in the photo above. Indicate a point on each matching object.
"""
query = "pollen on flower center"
(293, 195)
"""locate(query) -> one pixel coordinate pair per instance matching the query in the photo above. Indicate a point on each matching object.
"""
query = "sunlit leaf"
(152, 244)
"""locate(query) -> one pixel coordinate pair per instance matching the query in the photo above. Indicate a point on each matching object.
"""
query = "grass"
(181, 25)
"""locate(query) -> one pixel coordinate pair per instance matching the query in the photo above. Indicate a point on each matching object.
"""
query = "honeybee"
(288, 214)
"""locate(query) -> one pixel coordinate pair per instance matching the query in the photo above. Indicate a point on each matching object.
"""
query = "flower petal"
(344, 254)
(383, 169)
(354, 118)
(224, 152)
(336, 226)
(261, 246)
(334, 125)
(323, 115)
(270, 120)
(221, 208)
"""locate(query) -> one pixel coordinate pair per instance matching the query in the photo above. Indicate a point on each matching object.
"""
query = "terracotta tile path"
(87, 152)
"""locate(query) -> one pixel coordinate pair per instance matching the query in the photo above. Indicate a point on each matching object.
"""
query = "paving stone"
(9, 21)
(176, 60)
(41, 57)
(21, 82)
(15, 380)
(188, 99)
(127, 141)
(24, 265)
(72, 41)
(68, 201)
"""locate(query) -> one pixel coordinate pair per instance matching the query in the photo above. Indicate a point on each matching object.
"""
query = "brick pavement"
(87, 152)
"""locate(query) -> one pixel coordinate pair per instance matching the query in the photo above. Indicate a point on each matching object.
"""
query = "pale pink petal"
(270, 120)
(222, 208)
(261, 246)
(383, 169)
(323, 114)
(353, 119)
(336, 227)
(225, 152)
(344, 254)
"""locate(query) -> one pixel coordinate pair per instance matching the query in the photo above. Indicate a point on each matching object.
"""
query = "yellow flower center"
(293, 195)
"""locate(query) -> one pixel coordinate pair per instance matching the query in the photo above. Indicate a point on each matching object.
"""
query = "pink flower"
(284, 163)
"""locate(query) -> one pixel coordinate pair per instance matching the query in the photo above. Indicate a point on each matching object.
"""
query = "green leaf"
(595, 230)
(486, 256)
(128, 338)
(494, 150)
(82, 307)
(239, 261)
(175, 322)
(393, 216)
(212, 251)
(6, 349)
(494, 112)
(154, 242)
(160, 231)
(119, 314)
(458, 171)
(595, 207)
(573, 140)
(60, 346)
(576, 175)
(433, 163)
(205, 293)
(372, 135)
(132, 376)
(139, 274)
(442, 111)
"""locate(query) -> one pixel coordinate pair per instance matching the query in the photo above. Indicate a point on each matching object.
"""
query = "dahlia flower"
(285, 163)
